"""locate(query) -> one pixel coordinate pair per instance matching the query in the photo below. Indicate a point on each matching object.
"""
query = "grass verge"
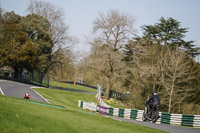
(21, 116)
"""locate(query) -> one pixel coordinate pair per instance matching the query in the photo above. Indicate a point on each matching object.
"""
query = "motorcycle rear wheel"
(155, 117)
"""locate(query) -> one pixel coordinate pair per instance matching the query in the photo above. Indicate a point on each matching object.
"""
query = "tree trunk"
(41, 77)
(109, 86)
(107, 95)
(20, 73)
(16, 73)
(172, 87)
(32, 75)
(170, 103)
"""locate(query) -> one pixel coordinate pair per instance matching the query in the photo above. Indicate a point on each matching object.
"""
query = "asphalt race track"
(16, 89)
(164, 127)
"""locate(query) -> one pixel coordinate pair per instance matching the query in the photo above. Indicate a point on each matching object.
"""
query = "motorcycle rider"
(152, 101)
(26, 96)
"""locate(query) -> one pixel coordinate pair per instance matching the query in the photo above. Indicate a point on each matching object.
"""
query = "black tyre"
(144, 117)
(154, 120)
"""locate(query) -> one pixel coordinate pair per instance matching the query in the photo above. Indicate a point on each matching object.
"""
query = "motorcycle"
(26, 96)
(153, 115)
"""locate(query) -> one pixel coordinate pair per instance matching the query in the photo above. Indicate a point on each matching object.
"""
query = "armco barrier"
(166, 118)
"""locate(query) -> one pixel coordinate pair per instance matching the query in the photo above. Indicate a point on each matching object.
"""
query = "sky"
(80, 14)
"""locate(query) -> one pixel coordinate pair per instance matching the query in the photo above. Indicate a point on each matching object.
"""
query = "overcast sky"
(79, 14)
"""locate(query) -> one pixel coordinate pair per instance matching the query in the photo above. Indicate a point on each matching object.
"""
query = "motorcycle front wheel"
(144, 117)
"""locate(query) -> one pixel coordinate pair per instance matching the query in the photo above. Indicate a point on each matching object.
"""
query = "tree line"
(38, 42)
(160, 60)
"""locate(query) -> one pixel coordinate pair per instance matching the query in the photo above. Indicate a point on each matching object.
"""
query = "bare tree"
(115, 29)
(176, 74)
(58, 29)
(143, 71)
(65, 70)
(112, 31)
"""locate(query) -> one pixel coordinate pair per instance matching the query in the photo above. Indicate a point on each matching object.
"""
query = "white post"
(98, 90)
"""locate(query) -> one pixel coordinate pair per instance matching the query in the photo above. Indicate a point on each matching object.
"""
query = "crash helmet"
(154, 93)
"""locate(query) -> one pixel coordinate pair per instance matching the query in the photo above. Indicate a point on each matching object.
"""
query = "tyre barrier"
(166, 118)
(103, 110)
(180, 119)
(88, 106)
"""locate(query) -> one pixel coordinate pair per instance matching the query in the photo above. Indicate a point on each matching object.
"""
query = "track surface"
(164, 127)
(16, 89)
(72, 90)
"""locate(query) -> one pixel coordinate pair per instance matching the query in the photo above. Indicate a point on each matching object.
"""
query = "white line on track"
(40, 94)
(1, 91)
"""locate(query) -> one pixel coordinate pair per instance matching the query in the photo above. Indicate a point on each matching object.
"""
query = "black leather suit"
(151, 102)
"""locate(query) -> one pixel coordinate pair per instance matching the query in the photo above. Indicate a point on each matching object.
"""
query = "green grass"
(71, 86)
(65, 98)
(21, 116)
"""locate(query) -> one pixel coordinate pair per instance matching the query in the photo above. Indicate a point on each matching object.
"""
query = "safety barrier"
(180, 119)
(166, 118)
(100, 100)
(88, 106)
(102, 110)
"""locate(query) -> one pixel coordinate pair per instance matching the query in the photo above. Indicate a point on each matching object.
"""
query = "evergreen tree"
(37, 30)
(169, 32)
(17, 50)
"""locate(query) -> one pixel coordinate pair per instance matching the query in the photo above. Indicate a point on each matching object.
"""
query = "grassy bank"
(21, 116)
(65, 98)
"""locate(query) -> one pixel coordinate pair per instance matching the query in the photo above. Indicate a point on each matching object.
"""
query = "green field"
(61, 116)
